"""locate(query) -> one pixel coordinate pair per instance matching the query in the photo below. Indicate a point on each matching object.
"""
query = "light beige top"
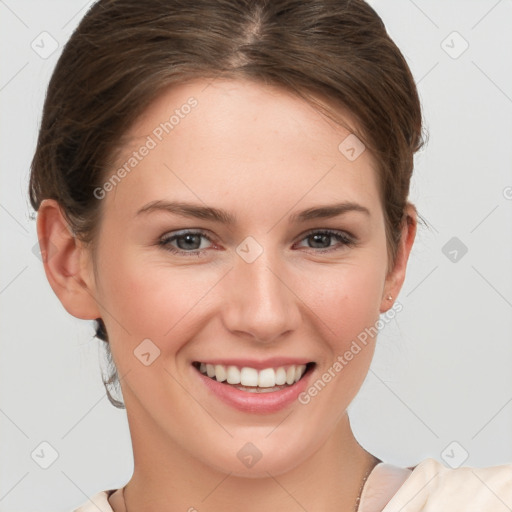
(428, 487)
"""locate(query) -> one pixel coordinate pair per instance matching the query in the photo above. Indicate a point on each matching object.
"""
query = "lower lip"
(259, 403)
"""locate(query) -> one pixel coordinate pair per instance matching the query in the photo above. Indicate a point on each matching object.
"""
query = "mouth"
(252, 380)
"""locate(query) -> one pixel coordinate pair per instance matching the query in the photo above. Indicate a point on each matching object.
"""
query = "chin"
(258, 459)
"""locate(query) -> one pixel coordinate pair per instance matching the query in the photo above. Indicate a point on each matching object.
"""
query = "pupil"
(321, 238)
(189, 240)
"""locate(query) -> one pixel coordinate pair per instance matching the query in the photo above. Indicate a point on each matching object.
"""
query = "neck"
(166, 477)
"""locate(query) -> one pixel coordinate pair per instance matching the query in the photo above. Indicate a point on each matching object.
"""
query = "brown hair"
(125, 52)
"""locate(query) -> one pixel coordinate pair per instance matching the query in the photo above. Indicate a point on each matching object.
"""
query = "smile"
(253, 380)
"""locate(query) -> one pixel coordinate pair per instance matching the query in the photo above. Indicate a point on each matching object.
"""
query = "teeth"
(280, 376)
(220, 373)
(249, 377)
(233, 375)
(266, 378)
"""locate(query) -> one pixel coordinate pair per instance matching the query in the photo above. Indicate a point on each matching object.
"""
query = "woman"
(223, 187)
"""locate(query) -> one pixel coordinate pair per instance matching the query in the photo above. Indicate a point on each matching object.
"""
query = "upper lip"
(258, 364)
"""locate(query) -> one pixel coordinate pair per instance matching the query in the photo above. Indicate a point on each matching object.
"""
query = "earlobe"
(63, 258)
(396, 276)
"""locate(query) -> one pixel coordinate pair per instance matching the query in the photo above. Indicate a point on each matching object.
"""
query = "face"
(242, 238)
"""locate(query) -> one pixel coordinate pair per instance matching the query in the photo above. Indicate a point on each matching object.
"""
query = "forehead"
(211, 137)
(257, 111)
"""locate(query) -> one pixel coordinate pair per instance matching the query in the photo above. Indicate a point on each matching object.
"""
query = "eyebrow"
(218, 215)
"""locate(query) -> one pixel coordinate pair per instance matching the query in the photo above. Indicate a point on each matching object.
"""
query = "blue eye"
(320, 238)
(189, 243)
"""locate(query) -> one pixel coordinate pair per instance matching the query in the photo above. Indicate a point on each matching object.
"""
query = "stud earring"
(389, 297)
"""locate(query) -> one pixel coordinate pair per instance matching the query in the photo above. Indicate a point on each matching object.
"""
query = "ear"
(396, 276)
(67, 262)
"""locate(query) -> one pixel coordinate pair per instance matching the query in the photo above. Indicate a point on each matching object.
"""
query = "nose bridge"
(259, 303)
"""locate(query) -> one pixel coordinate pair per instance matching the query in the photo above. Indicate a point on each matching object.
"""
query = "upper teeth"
(267, 378)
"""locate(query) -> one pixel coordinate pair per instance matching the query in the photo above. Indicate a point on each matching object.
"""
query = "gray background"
(440, 383)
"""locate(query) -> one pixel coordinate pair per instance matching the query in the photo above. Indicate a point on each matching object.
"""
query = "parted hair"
(335, 54)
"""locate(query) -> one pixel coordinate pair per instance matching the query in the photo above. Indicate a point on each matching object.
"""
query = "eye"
(188, 243)
(321, 239)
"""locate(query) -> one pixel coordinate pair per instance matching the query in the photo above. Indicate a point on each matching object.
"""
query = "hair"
(335, 54)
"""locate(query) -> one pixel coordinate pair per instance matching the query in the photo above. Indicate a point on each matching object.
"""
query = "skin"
(261, 154)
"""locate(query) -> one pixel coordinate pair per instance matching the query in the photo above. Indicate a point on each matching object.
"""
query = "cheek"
(348, 309)
(346, 300)
(149, 300)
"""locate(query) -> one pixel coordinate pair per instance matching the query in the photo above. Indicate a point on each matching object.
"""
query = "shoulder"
(97, 503)
(382, 483)
(431, 486)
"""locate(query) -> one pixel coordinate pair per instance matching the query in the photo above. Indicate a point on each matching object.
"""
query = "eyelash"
(164, 242)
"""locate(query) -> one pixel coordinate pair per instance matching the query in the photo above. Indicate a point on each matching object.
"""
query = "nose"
(259, 302)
